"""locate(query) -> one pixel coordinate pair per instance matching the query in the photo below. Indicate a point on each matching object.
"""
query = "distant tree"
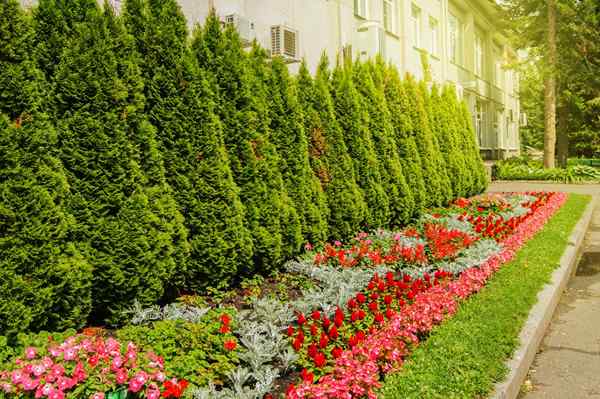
(45, 282)
(289, 136)
(242, 108)
(353, 118)
(382, 132)
(121, 200)
(330, 159)
(180, 103)
(412, 165)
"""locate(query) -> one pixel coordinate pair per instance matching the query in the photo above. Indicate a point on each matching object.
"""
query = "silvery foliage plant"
(173, 311)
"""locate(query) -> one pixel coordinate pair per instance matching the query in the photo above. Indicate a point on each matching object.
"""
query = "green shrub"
(329, 155)
(44, 279)
(402, 202)
(468, 142)
(192, 351)
(180, 104)
(242, 107)
(124, 208)
(288, 135)
(353, 118)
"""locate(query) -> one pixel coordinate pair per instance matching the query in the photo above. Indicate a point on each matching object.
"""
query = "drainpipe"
(339, 25)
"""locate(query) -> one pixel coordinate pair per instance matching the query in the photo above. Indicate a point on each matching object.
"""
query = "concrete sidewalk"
(568, 362)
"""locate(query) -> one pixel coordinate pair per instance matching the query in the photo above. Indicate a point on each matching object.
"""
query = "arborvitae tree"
(288, 135)
(45, 283)
(473, 157)
(241, 105)
(425, 145)
(55, 25)
(382, 131)
(439, 161)
(399, 107)
(353, 119)
(447, 132)
(124, 208)
(329, 155)
(180, 104)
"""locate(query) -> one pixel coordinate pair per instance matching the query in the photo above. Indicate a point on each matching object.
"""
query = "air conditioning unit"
(371, 40)
(284, 43)
(243, 26)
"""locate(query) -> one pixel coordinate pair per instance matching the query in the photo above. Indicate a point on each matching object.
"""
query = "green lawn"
(466, 355)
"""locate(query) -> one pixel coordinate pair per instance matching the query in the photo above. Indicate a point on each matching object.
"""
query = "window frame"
(434, 27)
(479, 55)
(390, 18)
(415, 16)
(361, 9)
(456, 40)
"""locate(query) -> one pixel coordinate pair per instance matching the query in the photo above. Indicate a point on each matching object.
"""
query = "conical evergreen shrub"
(180, 104)
(382, 131)
(353, 118)
(242, 108)
(123, 205)
(329, 155)
(447, 131)
(45, 283)
(399, 106)
(425, 144)
(55, 24)
(288, 135)
(439, 162)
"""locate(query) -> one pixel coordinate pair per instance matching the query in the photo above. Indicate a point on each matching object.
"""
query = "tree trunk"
(562, 135)
(550, 90)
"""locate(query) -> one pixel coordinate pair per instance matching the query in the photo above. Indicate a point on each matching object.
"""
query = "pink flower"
(337, 243)
(121, 376)
(152, 392)
(30, 385)
(97, 395)
(56, 394)
(160, 376)
(117, 362)
(70, 354)
(30, 353)
(38, 370)
(17, 377)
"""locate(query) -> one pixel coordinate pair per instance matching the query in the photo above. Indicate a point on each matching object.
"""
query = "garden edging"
(541, 314)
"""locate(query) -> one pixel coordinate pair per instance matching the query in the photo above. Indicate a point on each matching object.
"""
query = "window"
(389, 15)
(415, 17)
(456, 37)
(480, 120)
(433, 26)
(361, 8)
(478, 55)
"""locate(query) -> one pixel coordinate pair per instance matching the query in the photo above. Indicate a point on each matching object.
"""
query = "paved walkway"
(567, 364)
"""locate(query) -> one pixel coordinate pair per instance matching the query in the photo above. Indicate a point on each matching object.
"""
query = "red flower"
(312, 350)
(336, 352)
(323, 341)
(333, 333)
(381, 286)
(224, 329)
(387, 299)
(316, 315)
(338, 317)
(301, 318)
(230, 344)
(326, 323)
(320, 359)
(225, 319)
(297, 344)
(379, 318)
(373, 306)
(307, 376)
(290, 331)
(354, 316)
(313, 330)
(361, 298)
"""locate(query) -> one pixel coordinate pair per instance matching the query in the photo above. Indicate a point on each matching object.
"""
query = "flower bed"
(356, 311)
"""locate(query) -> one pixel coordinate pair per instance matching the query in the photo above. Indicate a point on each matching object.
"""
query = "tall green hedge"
(44, 280)
(401, 199)
(242, 107)
(180, 103)
(354, 118)
(329, 155)
(289, 136)
(124, 208)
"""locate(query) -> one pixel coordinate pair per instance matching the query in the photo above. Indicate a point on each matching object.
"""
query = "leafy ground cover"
(339, 317)
(465, 356)
(523, 169)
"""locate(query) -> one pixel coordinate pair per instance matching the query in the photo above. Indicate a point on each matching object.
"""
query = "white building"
(457, 41)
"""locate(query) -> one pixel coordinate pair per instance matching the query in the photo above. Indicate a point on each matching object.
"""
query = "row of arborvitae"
(137, 164)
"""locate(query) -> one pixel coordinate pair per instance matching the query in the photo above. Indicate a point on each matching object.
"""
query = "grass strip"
(465, 356)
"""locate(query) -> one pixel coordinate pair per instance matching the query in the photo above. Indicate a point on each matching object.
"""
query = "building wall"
(406, 40)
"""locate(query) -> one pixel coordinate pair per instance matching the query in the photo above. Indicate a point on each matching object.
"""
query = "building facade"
(446, 41)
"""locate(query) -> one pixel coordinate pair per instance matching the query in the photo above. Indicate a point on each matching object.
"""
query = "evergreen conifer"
(288, 135)
(382, 131)
(469, 143)
(242, 107)
(123, 205)
(329, 154)
(353, 118)
(180, 103)
(399, 106)
(45, 282)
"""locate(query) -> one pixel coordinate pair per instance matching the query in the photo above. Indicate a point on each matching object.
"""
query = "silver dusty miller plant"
(172, 311)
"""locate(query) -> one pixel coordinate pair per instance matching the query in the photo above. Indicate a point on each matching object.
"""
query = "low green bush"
(526, 169)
